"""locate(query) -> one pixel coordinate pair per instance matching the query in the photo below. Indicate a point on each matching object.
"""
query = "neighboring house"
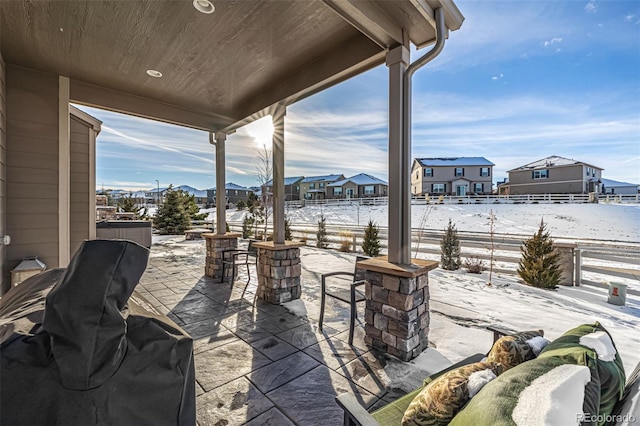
(291, 188)
(315, 187)
(553, 175)
(451, 176)
(155, 195)
(233, 192)
(358, 186)
(200, 195)
(609, 186)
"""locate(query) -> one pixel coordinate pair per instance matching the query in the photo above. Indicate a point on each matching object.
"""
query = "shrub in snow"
(450, 246)
(247, 224)
(175, 215)
(240, 205)
(321, 236)
(371, 242)
(346, 241)
(474, 265)
(540, 263)
(287, 229)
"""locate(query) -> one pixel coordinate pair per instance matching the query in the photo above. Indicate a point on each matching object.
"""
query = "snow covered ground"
(463, 304)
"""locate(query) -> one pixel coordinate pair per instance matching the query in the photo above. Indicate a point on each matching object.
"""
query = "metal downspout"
(405, 241)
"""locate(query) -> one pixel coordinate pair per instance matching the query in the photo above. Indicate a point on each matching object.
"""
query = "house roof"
(232, 186)
(105, 48)
(287, 181)
(553, 161)
(454, 161)
(192, 191)
(361, 179)
(326, 178)
(615, 183)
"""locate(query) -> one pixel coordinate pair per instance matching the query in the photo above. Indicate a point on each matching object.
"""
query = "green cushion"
(391, 414)
(495, 403)
(441, 399)
(513, 349)
(611, 373)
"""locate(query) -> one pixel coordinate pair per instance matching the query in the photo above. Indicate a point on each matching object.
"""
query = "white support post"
(221, 195)
(278, 173)
(397, 61)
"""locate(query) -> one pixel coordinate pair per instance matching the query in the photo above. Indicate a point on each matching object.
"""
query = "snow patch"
(601, 343)
(477, 381)
(537, 344)
(555, 398)
(296, 307)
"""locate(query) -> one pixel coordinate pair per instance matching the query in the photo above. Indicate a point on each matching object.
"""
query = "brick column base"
(216, 245)
(279, 271)
(397, 310)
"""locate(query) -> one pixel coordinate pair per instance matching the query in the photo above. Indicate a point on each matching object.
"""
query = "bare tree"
(492, 234)
(264, 173)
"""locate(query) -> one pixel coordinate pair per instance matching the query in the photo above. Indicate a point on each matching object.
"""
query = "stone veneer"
(397, 306)
(217, 244)
(279, 271)
(566, 251)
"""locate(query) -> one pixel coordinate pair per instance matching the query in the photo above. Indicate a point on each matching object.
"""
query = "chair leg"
(354, 315)
(322, 299)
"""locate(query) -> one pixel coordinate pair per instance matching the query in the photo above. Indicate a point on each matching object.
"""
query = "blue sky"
(518, 82)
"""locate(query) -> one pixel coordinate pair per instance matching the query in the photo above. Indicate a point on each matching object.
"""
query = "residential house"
(358, 186)
(199, 195)
(553, 175)
(315, 187)
(291, 188)
(609, 186)
(233, 192)
(451, 176)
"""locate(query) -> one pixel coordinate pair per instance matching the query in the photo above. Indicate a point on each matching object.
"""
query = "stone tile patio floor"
(259, 364)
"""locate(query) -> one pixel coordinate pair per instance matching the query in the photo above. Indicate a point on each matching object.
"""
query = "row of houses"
(463, 176)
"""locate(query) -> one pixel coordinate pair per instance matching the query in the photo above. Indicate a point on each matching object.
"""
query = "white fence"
(596, 262)
(479, 199)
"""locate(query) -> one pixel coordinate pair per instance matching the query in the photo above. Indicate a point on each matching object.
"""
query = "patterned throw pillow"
(441, 399)
(514, 349)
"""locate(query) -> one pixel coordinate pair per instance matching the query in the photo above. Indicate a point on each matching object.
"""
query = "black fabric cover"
(94, 353)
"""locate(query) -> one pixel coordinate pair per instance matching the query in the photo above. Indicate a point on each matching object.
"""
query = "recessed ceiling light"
(154, 73)
(204, 6)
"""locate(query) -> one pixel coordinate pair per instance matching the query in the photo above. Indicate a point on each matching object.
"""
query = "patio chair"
(349, 295)
(239, 258)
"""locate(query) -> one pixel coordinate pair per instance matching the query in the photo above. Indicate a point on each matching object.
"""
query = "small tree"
(287, 229)
(173, 217)
(450, 246)
(240, 205)
(321, 236)
(346, 241)
(492, 248)
(371, 242)
(247, 225)
(131, 205)
(540, 263)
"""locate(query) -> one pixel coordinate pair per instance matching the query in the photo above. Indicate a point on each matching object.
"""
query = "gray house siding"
(79, 184)
(446, 175)
(560, 180)
(31, 166)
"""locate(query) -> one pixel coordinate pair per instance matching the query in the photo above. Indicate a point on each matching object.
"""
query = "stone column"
(216, 245)
(566, 250)
(397, 306)
(279, 271)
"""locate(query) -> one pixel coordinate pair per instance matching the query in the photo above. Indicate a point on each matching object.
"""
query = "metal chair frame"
(245, 256)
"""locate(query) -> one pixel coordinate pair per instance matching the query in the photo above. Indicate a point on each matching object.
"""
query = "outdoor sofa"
(79, 347)
(606, 400)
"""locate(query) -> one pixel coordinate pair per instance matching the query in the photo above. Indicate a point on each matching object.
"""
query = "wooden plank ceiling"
(217, 69)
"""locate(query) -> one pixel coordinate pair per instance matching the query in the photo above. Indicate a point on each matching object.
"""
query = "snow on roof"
(454, 161)
(288, 180)
(326, 178)
(192, 191)
(234, 186)
(361, 179)
(615, 183)
(553, 161)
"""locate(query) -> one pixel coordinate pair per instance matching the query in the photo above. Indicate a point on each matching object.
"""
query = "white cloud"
(497, 77)
(554, 40)
(591, 7)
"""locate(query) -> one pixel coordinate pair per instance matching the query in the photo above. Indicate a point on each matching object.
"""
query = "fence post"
(578, 267)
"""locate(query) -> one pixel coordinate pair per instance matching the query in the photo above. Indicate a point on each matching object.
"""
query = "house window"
(297, 188)
(236, 192)
(438, 188)
(337, 190)
(459, 171)
(312, 186)
(321, 185)
(484, 171)
(428, 172)
(478, 188)
(369, 190)
(540, 174)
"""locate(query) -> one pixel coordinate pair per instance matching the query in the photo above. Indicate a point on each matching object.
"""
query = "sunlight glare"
(261, 131)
